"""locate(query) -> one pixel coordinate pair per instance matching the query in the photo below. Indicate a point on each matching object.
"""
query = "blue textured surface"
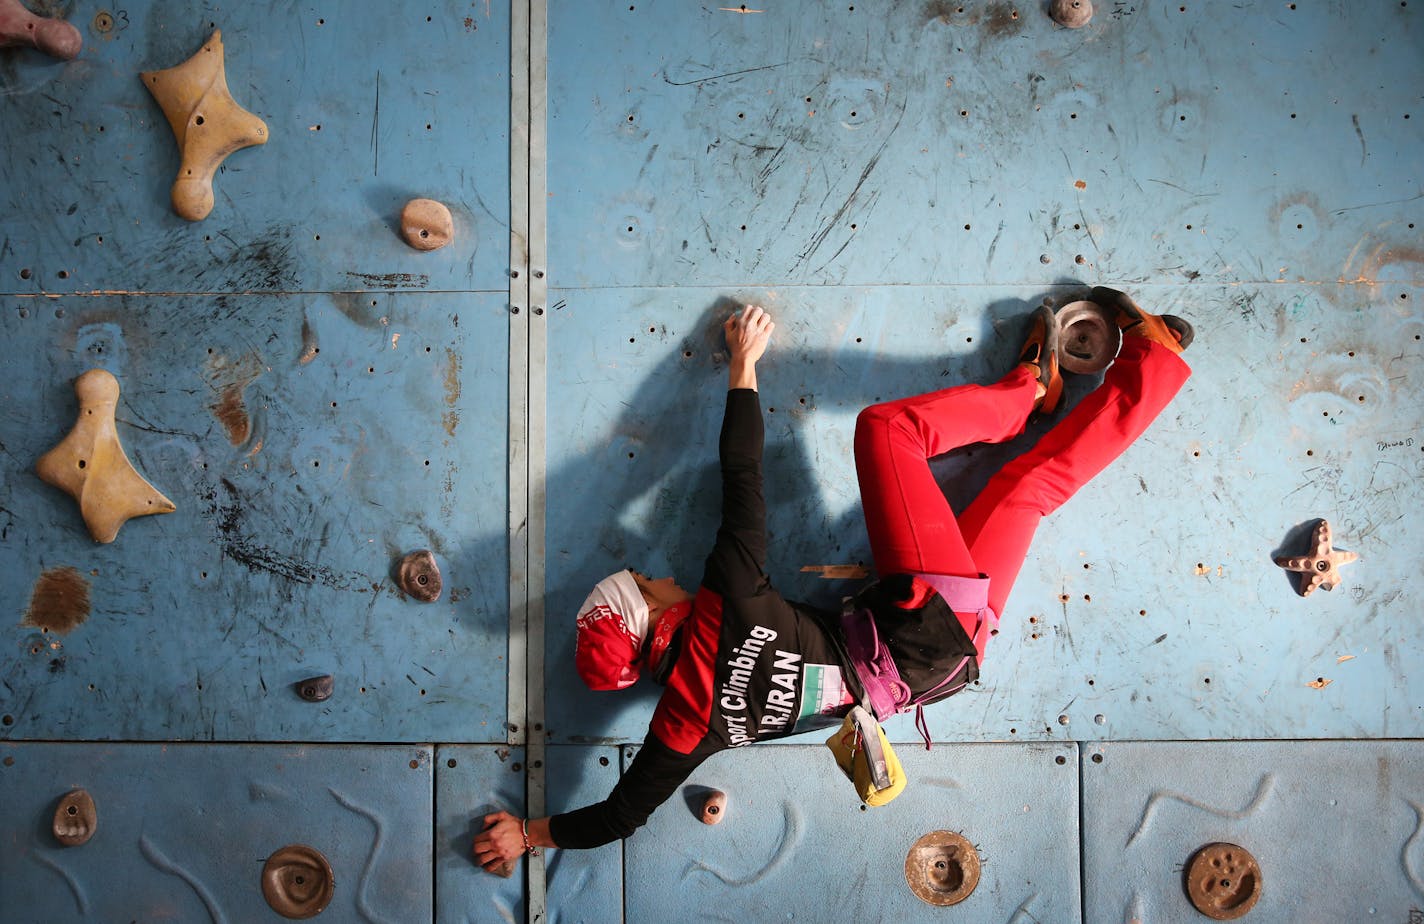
(471, 782)
(901, 183)
(1335, 826)
(795, 837)
(1150, 599)
(183, 830)
(370, 431)
(357, 125)
(941, 142)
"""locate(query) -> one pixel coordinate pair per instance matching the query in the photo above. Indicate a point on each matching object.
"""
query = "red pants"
(912, 528)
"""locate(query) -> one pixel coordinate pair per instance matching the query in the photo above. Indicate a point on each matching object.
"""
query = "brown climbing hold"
(942, 868)
(419, 577)
(297, 882)
(55, 37)
(426, 224)
(207, 123)
(1320, 565)
(1071, 13)
(714, 807)
(1223, 881)
(90, 465)
(76, 819)
(316, 689)
(1087, 337)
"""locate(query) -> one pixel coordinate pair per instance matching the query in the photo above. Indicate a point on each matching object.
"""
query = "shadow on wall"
(648, 494)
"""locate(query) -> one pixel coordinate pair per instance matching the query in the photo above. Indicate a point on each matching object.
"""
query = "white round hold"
(1088, 340)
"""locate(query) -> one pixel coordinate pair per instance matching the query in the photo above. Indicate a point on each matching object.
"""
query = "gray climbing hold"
(316, 689)
(297, 882)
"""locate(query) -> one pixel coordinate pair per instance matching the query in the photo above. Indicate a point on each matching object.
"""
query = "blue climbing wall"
(900, 184)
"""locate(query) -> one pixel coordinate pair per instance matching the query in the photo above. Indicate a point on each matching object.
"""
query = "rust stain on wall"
(229, 379)
(309, 345)
(451, 418)
(59, 601)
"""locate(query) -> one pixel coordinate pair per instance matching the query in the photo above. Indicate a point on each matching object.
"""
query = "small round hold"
(1071, 13)
(714, 807)
(316, 689)
(1223, 881)
(942, 868)
(76, 819)
(297, 882)
(419, 577)
(1087, 337)
(426, 224)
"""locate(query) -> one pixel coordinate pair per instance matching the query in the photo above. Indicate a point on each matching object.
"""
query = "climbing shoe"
(1167, 329)
(1040, 349)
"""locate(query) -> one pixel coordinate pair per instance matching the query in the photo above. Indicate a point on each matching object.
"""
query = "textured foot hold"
(207, 122)
(426, 224)
(90, 465)
(54, 37)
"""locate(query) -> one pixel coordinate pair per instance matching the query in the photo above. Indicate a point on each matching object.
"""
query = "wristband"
(524, 829)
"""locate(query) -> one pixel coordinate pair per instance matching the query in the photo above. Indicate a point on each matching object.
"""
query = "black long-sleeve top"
(753, 665)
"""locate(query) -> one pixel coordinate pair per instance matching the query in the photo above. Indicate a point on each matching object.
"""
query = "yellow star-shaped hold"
(90, 465)
(1320, 565)
(207, 122)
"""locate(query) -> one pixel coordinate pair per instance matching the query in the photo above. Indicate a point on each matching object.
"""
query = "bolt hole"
(83, 464)
(603, 761)
(1097, 758)
(198, 120)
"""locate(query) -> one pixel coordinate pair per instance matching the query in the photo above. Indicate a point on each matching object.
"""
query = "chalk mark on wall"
(80, 898)
(1414, 877)
(156, 857)
(790, 837)
(1263, 789)
(361, 905)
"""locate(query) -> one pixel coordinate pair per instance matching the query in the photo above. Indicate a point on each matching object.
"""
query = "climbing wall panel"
(308, 443)
(1150, 606)
(184, 831)
(471, 782)
(791, 818)
(357, 125)
(1333, 826)
(977, 142)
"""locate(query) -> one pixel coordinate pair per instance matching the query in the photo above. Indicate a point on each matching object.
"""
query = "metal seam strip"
(537, 393)
(518, 372)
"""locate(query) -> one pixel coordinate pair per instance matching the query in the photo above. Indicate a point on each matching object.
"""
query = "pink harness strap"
(885, 694)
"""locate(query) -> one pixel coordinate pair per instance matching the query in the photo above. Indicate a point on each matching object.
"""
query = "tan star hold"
(208, 124)
(1320, 565)
(90, 465)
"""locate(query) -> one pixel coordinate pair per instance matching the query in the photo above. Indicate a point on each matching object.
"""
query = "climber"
(742, 664)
